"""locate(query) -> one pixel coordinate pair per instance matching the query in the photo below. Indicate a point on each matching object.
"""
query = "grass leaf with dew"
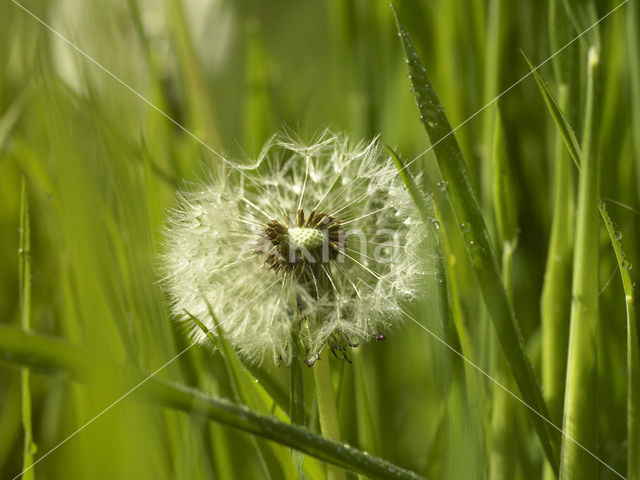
(633, 350)
(47, 354)
(470, 221)
(633, 355)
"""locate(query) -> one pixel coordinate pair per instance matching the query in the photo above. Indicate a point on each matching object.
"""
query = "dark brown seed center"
(296, 243)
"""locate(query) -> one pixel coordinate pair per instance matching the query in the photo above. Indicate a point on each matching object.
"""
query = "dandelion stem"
(297, 395)
(327, 410)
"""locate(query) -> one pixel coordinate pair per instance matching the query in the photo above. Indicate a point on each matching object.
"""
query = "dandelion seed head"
(323, 234)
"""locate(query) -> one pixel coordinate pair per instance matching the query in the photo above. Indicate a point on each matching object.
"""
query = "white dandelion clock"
(322, 237)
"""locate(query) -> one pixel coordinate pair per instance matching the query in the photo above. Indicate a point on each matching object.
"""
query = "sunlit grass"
(101, 167)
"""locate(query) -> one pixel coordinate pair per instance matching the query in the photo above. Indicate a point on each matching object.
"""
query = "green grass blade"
(633, 355)
(477, 243)
(492, 72)
(195, 88)
(582, 15)
(633, 45)
(296, 395)
(565, 130)
(47, 354)
(556, 290)
(633, 351)
(412, 187)
(580, 406)
(504, 200)
(9, 119)
(25, 322)
(452, 315)
(503, 427)
(249, 392)
(327, 409)
(367, 434)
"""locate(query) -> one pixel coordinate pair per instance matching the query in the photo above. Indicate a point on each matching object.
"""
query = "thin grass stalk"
(555, 302)
(195, 88)
(503, 427)
(367, 434)
(25, 322)
(580, 398)
(470, 221)
(327, 410)
(556, 290)
(491, 77)
(555, 305)
(633, 46)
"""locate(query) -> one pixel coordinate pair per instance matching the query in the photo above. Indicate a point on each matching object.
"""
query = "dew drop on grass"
(618, 235)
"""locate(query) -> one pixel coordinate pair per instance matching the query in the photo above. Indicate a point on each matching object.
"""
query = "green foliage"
(93, 151)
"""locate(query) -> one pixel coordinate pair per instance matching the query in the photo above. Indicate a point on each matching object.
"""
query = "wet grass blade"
(469, 217)
(48, 354)
(633, 356)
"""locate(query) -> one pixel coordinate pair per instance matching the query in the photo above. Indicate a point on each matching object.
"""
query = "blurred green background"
(101, 167)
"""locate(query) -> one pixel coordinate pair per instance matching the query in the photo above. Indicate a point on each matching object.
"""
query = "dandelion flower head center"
(306, 238)
(302, 241)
